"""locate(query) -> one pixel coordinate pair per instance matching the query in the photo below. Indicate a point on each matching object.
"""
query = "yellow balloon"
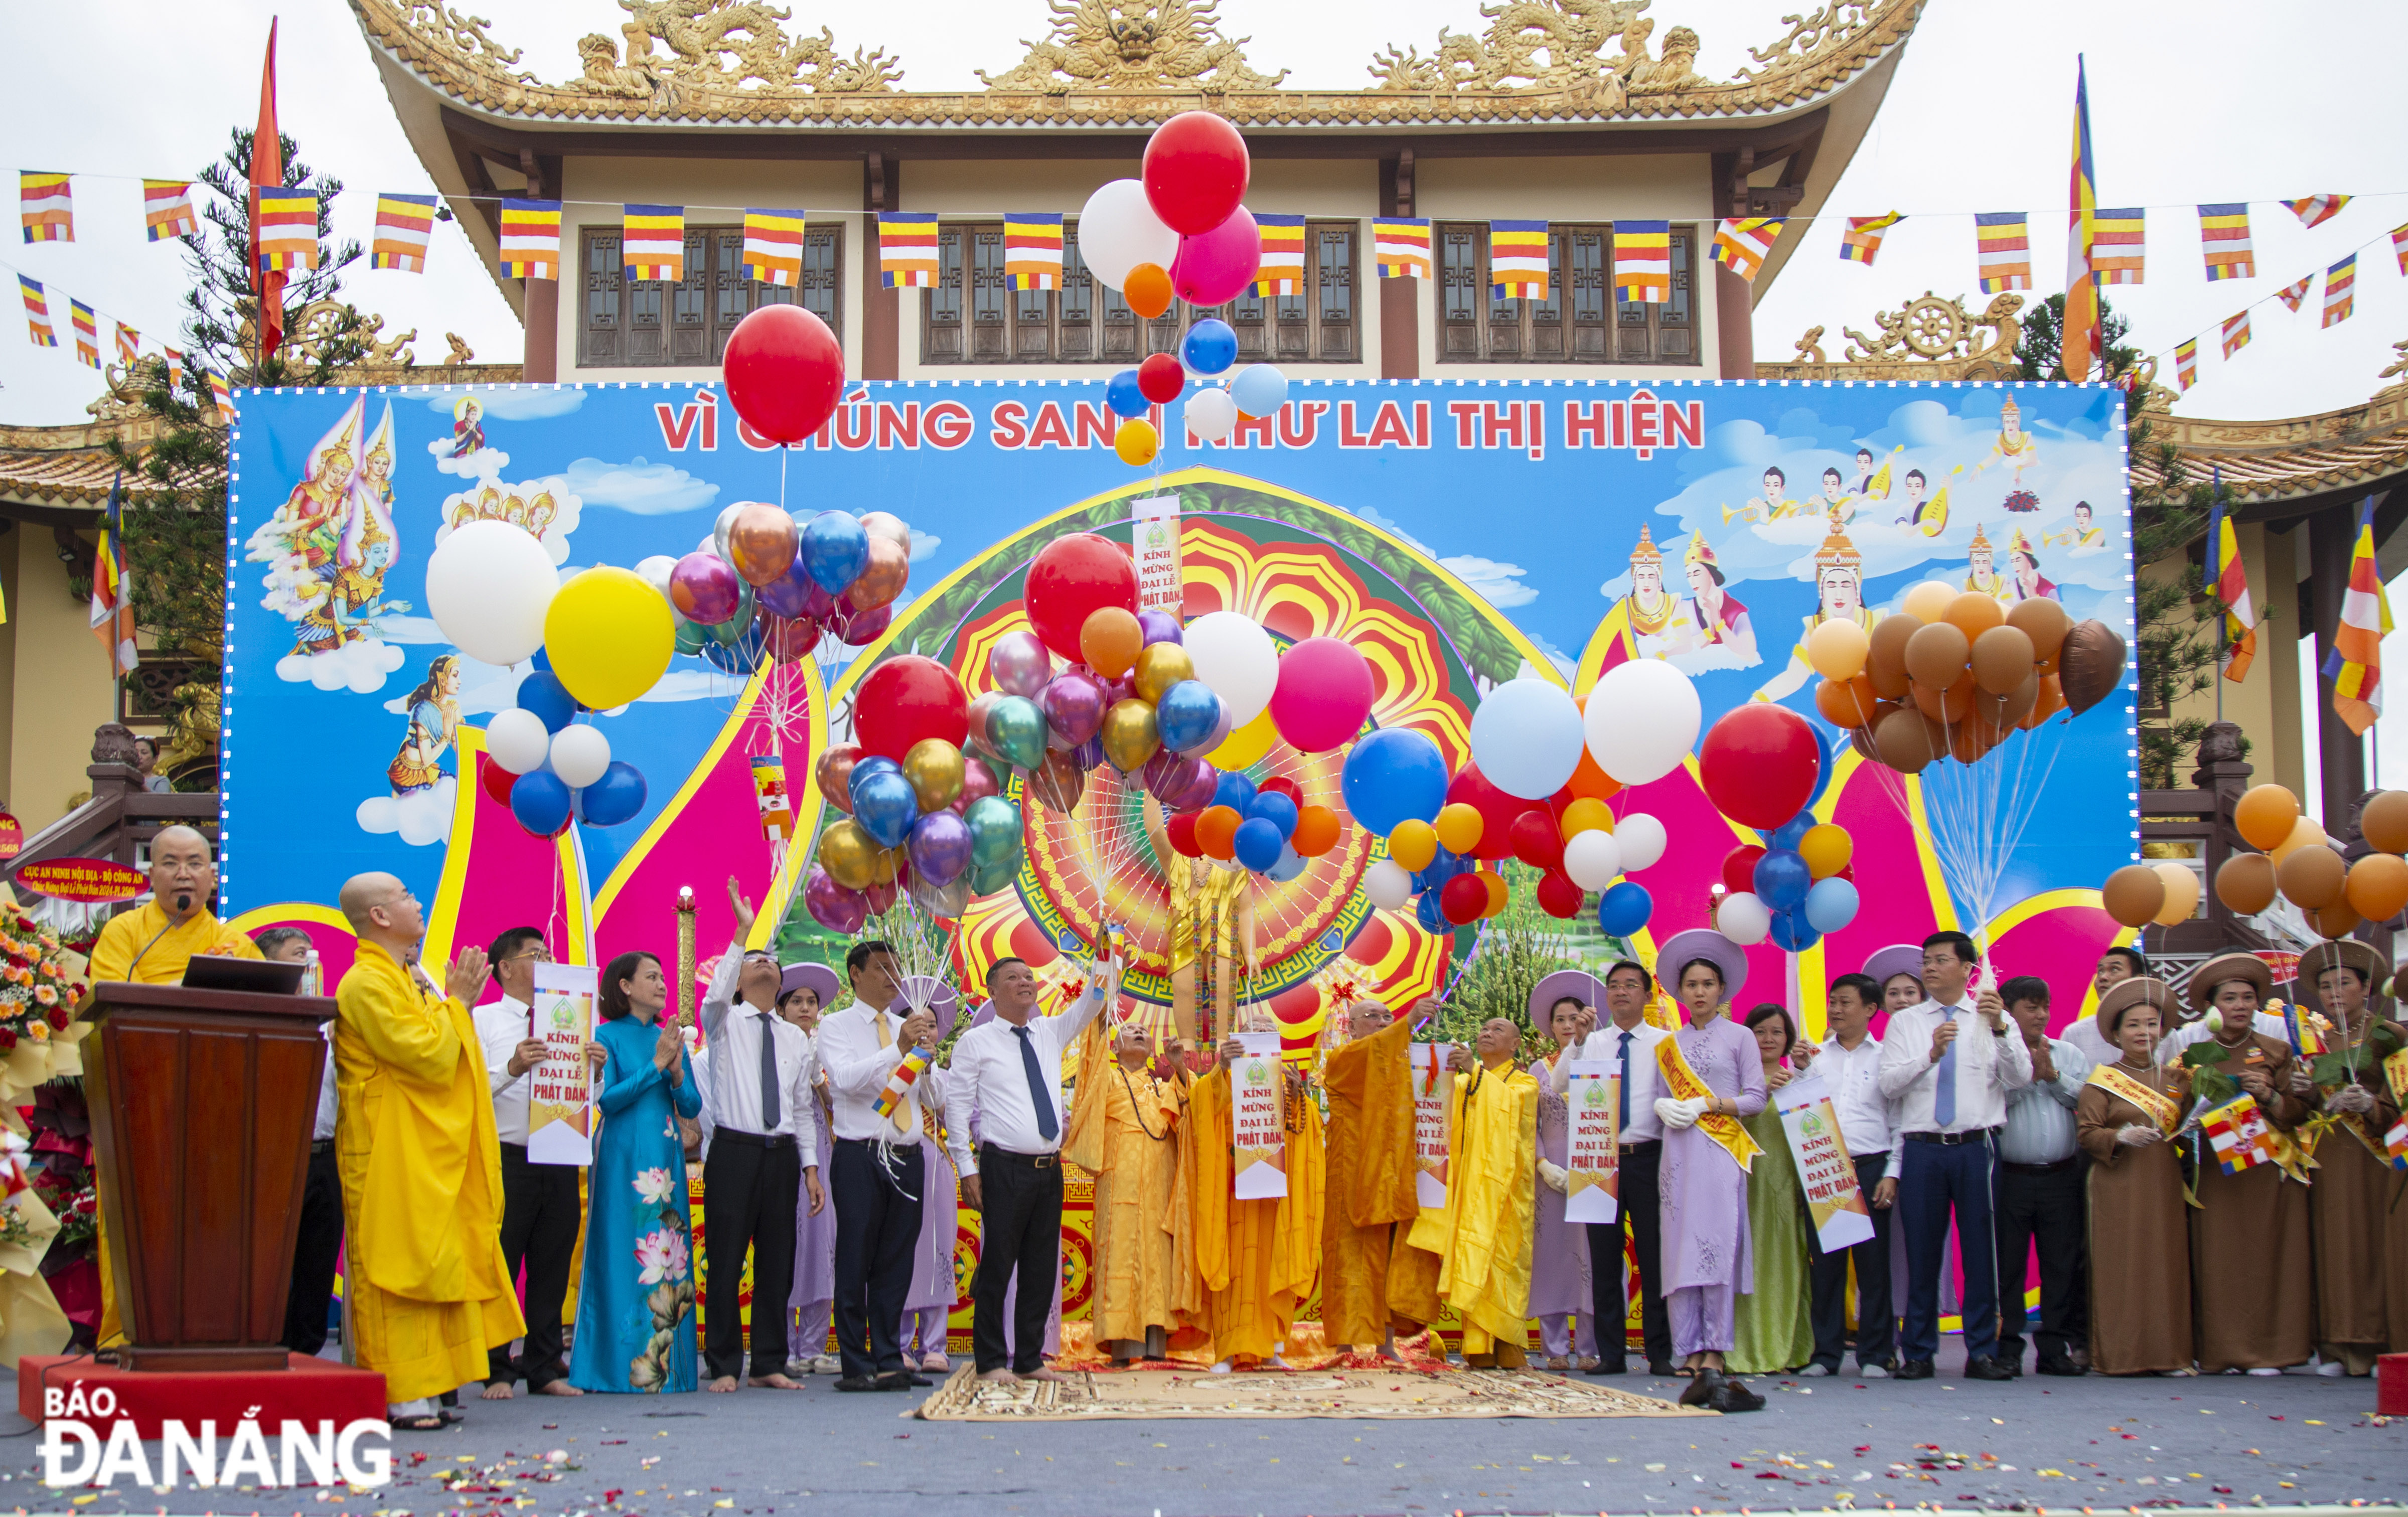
(1458, 827)
(849, 854)
(610, 636)
(886, 864)
(1129, 735)
(1837, 649)
(1413, 844)
(1246, 746)
(1825, 849)
(1496, 893)
(1161, 666)
(2182, 893)
(1137, 443)
(935, 769)
(2305, 832)
(1588, 814)
(1930, 601)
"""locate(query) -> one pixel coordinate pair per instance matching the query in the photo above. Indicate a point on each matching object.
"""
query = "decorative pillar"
(1400, 300)
(881, 309)
(2341, 775)
(541, 305)
(1734, 297)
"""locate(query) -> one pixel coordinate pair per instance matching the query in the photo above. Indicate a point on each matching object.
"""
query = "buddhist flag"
(175, 361)
(652, 242)
(2080, 341)
(1402, 248)
(403, 225)
(2228, 581)
(2294, 295)
(1642, 262)
(168, 209)
(1283, 268)
(37, 313)
(87, 332)
(2187, 365)
(286, 222)
(773, 246)
(1743, 243)
(1032, 249)
(906, 249)
(222, 393)
(2340, 280)
(2316, 210)
(2224, 238)
(129, 344)
(2399, 246)
(48, 206)
(2003, 240)
(2355, 666)
(112, 594)
(2119, 245)
(2236, 333)
(1861, 242)
(1517, 260)
(267, 179)
(531, 240)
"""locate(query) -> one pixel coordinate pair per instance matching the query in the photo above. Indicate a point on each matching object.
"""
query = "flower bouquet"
(41, 983)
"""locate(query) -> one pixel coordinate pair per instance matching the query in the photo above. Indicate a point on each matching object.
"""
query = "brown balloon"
(2020, 701)
(1861, 739)
(2044, 621)
(761, 543)
(1058, 782)
(2133, 894)
(1974, 613)
(2312, 877)
(1951, 705)
(1965, 744)
(1936, 654)
(2337, 920)
(1885, 663)
(1904, 740)
(2246, 884)
(2091, 663)
(2002, 659)
(2385, 822)
(883, 577)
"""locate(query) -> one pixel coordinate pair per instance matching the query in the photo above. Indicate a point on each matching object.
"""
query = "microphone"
(183, 901)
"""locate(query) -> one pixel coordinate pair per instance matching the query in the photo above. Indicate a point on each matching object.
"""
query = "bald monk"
(151, 945)
(1370, 1172)
(1125, 1129)
(430, 1293)
(1244, 1267)
(1482, 1239)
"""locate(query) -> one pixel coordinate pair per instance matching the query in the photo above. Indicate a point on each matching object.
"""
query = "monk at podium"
(151, 946)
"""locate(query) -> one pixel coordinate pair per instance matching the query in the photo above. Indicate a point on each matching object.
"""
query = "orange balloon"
(1216, 831)
(1842, 704)
(2304, 832)
(2378, 886)
(1459, 828)
(2264, 815)
(2335, 921)
(1588, 814)
(1951, 705)
(1110, 640)
(1147, 290)
(1316, 832)
(1496, 893)
(2385, 823)
(1413, 844)
(1927, 601)
(1974, 613)
(1590, 781)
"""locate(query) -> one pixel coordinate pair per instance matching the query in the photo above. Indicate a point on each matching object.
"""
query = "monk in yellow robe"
(1125, 1129)
(151, 946)
(1369, 1185)
(429, 1291)
(1482, 1239)
(1244, 1267)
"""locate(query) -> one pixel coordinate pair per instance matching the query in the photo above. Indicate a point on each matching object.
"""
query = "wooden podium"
(202, 1106)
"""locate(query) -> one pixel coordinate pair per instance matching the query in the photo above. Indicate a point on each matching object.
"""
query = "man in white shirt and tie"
(763, 1152)
(1948, 1063)
(1849, 1062)
(1010, 1071)
(1628, 1044)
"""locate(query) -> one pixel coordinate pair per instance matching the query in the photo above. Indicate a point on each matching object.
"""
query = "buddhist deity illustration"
(1648, 608)
(1839, 590)
(2016, 450)
(2027, 583)
(2083, 534)
(332, 543)
(1835, 502)
(309, 523)
(1981, 561)
(467, 426)
(434, 711)
(1710, 618)
(1771, 506)
(1930, 517)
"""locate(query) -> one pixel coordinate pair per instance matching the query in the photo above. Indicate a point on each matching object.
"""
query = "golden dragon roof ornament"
(1108, 46)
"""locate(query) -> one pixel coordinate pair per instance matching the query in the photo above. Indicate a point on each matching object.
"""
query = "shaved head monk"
(1370, 1158)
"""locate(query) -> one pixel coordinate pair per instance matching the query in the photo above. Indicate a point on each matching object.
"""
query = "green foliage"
(2177, 655)
(2208, 1081)
(2039, 349)
(1516, 949)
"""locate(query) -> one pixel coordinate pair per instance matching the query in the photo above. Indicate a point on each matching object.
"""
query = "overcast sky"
(2219, 104)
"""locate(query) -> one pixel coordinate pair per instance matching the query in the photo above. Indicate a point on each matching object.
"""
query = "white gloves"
(2137, 1135)
(1681, 1114)
(1554, 1177)
(2351, 1098)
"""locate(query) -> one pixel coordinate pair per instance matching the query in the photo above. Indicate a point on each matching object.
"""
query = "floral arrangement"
(41, 980)
(74, 1200)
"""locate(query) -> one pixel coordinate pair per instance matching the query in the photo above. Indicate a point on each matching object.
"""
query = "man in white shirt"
(317, 1242)
(2040, 1201)
(1948, 1064)
(763, 1153)
(1009, 1069)
(2116, 964)
(539, 1205)
(876, 1175)
(1629, 1045)
(1849, 1062)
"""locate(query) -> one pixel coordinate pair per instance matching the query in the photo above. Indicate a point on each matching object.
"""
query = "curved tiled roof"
(2267, 464)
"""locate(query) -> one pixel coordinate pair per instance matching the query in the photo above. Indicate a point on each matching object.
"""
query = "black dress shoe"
(1615, 1367)
(898, 1379)
(1988, 1367)
(1914, 1369)
(1701, 1388)
(858, 1382)
(1733, 1395)
(2059, 1363)
(1661, 1369)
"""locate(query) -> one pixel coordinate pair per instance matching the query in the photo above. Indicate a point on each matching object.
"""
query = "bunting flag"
(1283, 268)
(773, 246)
(286, 222)
(1517, 260)
(2294, 296)
(2003, 245)
(168, 209)
(531, 240)
(268, 180)
(2316, 210)
(222, 393)
(1642, 262)
(1861, 242)
(129, 344)
(2187, 365)
(2399, 246)
(2224, 238)
(1032, 249)
(2080, 343)
(48, 206)
(1742, 244)
(112, 594)
(2355, 666)
(175, 369)
(2119, 245)
(2236, 333)
(2228, 581)
(906, 249)
(1402, 246)
(403, 225)
(2340, 280)
(37, 313)
(87, 332)
(652, 242)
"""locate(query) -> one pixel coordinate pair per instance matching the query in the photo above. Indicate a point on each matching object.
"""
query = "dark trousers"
(538, 1232)
(749, 1190)
(877, 1227)
(315, 1249)
(1876, 1322)
(1933, 1179)
(2041, 1209)
(1020, 1231)
(1638, 1209)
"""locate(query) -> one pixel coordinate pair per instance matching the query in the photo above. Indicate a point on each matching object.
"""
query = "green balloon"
(689, 636)
(995, 831)
(985, 879)
(1015, 729)
(731, 632)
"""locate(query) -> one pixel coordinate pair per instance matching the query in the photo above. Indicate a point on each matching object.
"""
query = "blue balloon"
(540, 801)
(547, 698)
(1826, 758)
(1209, 347)
(1089, 753)
(1781, 880)
(1624, 908)
(789, 593)
(615, 797)
(1425, 911)
(886, 804)
(1288, 868)
(738, 657)
(1444, 866)
(863, 770)
(1275, 808)
(1259, 389)
(1259, 844)
(1791, 934)
(1832, 905)
(1123, 395)
(1234, 791)
(835, 550)
(1187, 715)
(1786, 837)
(1394, 776)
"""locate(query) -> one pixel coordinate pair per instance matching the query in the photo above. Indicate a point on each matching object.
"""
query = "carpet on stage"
(1390, 1393)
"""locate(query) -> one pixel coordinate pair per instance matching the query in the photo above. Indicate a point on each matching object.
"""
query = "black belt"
(754, 1140)
(1952, 1140)
(2038, 1168)
(1642, 1145)
(1034, 1161)
(322, 1145)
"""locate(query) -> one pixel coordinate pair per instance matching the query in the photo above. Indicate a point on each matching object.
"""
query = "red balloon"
(785, 371)
(499, 781)
(1497, 809)
(1462, 900)
(1070, 580)
(1738, 869)
(1180, 828)
(905, 700)
(1160, 378)
(1557, 895)
(1536, 841)
(1760, 763)
(1196, 171)
(1280, 786)
(833, 774)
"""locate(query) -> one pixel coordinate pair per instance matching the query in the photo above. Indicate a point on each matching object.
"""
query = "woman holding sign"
(2139, 1241)
(1714, 1077)
(1774, 1329)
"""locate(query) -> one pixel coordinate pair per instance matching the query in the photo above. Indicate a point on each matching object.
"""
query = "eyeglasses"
(535, 955)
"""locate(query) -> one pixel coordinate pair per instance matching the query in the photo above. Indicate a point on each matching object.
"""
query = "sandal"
(424, 1422)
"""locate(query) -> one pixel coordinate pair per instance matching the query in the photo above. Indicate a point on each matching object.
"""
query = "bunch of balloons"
(765, 586)
(1765, 767)
(2298, 859)
(1266, 829)
(546, 768)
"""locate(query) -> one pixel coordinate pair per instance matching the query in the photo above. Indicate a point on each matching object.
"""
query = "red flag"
(266, 173)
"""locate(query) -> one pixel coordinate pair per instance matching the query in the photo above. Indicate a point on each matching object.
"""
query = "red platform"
(311, 1391)
(2391, 1385)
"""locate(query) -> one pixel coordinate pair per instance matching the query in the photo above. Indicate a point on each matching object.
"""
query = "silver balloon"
(947, 900)
(719, 530)
(890, 526)
(656, 571)
(1019, 664)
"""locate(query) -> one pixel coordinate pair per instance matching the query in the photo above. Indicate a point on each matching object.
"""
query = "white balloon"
(1118, 230)
(579, 755)
(655, 571)
(1744, 919)
(719, 529)
(1642, 840)
(1388, 885)
(488, 587)
(1212, 415)
(1525, 736)
(1237, 659)
(1641, 721)
(1592, 858)
(517, 740)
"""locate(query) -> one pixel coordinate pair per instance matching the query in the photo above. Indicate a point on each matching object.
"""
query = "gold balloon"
(935, 769)
(1129, 735)
(885, 864)
(1161, 666)
(849, 854)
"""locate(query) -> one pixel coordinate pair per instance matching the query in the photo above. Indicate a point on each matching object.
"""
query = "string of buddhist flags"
(1281, 272)
(2341, 282)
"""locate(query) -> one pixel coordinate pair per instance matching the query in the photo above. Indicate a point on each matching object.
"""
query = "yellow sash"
(1683, 1083)
(2164, 1108)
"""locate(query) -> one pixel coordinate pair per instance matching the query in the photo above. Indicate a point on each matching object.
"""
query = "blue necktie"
(1624, 1129)
(1038, 1095)
(1943, 1100)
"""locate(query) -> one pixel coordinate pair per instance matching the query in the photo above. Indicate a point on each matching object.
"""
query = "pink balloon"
(978, 781)
(1214, 267)
(1323, 695)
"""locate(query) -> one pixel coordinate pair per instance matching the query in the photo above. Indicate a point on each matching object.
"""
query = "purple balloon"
(789, 595)
(1019, 664)
(1202, 783)
(1164, 774)
(1073, 702)
(1159, 627)
(1089, 753)
(832, 906)
(862, 629)
(817, 603)
(1117, 690)
(941, 847)
(705, 590)
(978, 783)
